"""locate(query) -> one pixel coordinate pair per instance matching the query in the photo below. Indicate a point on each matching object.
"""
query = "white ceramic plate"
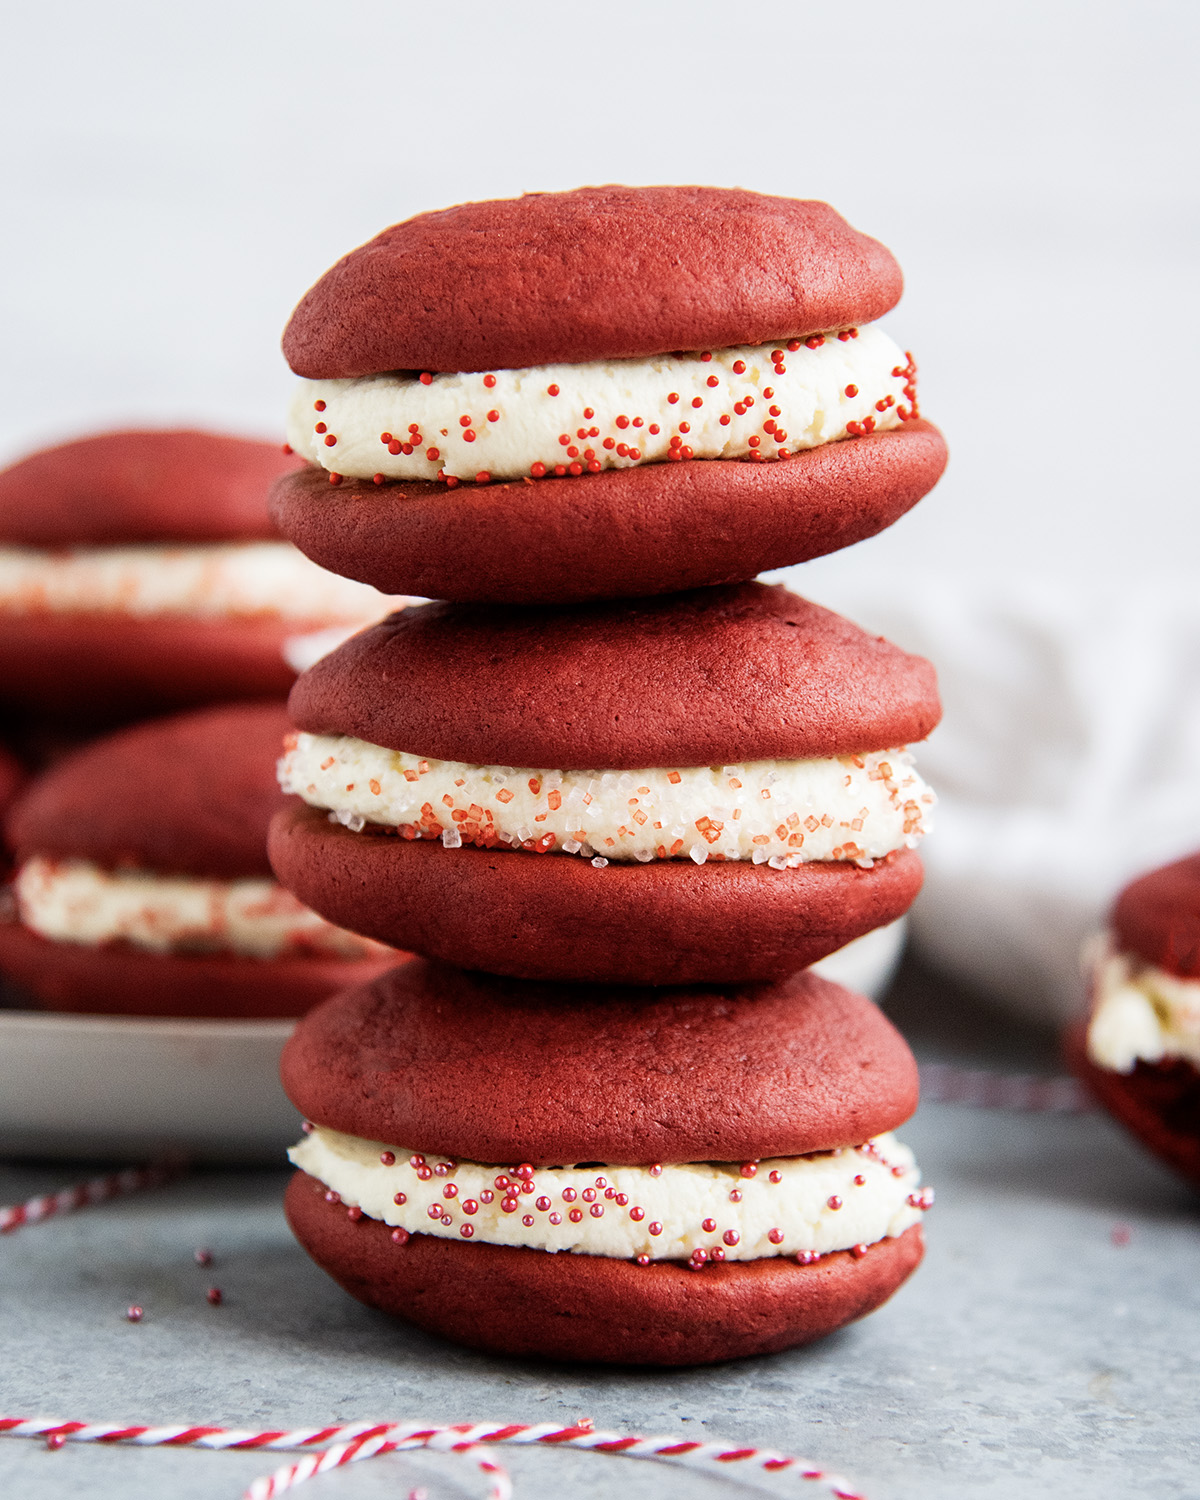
(108, 1088)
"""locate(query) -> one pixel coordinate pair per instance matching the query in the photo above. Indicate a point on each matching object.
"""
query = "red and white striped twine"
(944, 1083)
(349, 1443)
(97, 1190)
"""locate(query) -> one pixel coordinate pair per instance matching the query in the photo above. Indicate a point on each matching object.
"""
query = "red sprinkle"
(489, 381)
(552, 390)
(214, 1295)
(426, 378)
(133, 1314)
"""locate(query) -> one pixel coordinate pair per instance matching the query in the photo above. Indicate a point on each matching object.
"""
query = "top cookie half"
(603, 393)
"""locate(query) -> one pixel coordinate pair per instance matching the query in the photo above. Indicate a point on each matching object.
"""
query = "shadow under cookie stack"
(617, 797)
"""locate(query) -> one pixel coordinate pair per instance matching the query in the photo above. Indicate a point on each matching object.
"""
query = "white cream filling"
(1140, 1013)
(74, 901)
(226, 579)
(776, 812)
(786, 1206)
(576, 418)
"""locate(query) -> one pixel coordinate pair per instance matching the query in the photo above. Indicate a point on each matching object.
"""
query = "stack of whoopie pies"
(616, 796)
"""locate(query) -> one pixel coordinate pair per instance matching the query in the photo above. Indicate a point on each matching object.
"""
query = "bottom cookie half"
(1158, 1102)
(124, 981)
(584, 1307)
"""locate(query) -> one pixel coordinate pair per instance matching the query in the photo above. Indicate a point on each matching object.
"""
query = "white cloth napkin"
(1068, 762)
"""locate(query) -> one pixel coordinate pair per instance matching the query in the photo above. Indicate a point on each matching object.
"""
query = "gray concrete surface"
(1032, 1355)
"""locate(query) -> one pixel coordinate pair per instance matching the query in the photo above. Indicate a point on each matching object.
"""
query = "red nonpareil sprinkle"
(739, 367)
(202, 1257)
(858, 1251)
(288, 449)
(335, 478)
(724, 419)
(655, 1228)
(133, 1314)
(673, 397)
(834, 1202)
(468, 436)
(814, 340)
(464, 421)
(705, 357)
(493, 415)
(400, 1236)
(400, 1199)
(320, 427)
(451, 480)
(552, 390)
(654, 429)
(388, 1158)
(697, 402)
(318, 406)
(708, 1225)
(793, 345)
(731, 1237)
(489, 381)
(354, 1213)
(426, 378)
(775, 1236)
(377, 478)
(685, 427)
(538, 470)
(330, 440)
(214, 1295)
(749, 1169)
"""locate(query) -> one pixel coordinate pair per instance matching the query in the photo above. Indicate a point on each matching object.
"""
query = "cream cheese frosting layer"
(1140, 1013)
(776, 812)
(755, 401)
(812, 1205)
(223, 580)
(74, 901)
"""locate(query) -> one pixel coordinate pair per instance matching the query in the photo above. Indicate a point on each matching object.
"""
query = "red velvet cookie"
(523, 1303)
(97, 670)
(1155, 927)
(710, 679)
(622, 534)
(474, 1069)
(599, 273)
(747, 672)
(149, 486)
(469, 1065)
(94, 632)
(1158, 918)
(555, 917)
(190, 796)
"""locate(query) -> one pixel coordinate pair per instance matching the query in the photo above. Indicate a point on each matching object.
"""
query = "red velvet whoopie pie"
(1139, 1050)
(142, 884)
(606, 1174)
(706, 787)
(140, 571)
(604, 393)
